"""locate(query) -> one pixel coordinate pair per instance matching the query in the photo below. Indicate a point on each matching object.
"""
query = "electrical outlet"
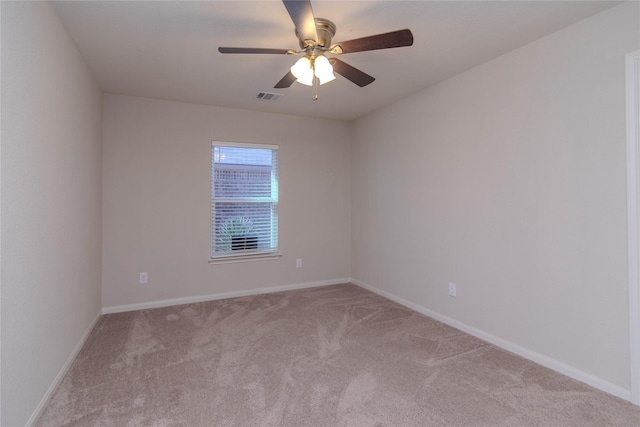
(299, 263)
(144, 278)
(452, 289)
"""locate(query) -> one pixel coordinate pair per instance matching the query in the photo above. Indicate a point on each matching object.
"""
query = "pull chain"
(315, 81)
(315, 88)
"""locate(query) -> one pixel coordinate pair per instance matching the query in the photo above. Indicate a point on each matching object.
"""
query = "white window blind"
(244, 199)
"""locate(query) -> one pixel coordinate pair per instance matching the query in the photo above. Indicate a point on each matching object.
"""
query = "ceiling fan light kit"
(306, 68)
(323, 70)
(314, 37)
(303, 70)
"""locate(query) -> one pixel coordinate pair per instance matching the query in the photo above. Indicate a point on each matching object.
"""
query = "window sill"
(230, 259)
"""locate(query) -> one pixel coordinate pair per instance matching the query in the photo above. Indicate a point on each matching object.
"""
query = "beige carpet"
(330, 356)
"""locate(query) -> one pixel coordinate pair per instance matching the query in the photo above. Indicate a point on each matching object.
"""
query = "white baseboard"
(223, 295)
(67, 364)
(541, 359)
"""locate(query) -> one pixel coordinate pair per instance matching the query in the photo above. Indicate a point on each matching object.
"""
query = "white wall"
(157, 203)
(509, 180)
(51, 208)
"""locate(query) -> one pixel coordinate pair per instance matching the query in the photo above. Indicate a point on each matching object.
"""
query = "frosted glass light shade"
(323, 70)
(302, 71)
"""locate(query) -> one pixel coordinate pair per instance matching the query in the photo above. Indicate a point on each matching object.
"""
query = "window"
(244, 200)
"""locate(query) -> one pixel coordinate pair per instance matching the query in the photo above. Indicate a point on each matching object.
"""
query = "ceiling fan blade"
(286, 81)
(351, 73)
(302, 16)
(252, 50)
(380, 41)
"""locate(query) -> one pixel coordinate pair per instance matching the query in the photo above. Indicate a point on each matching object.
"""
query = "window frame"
(252, 254)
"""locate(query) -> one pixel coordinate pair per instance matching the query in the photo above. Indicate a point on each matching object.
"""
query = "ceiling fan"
(314, 36)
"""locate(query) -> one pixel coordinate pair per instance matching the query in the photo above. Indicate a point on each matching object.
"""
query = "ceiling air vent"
(266, 96)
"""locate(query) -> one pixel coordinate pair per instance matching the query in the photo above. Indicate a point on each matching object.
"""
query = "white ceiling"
(168, 50)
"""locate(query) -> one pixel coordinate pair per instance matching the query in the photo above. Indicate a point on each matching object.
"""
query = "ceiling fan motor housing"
(325, 29)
